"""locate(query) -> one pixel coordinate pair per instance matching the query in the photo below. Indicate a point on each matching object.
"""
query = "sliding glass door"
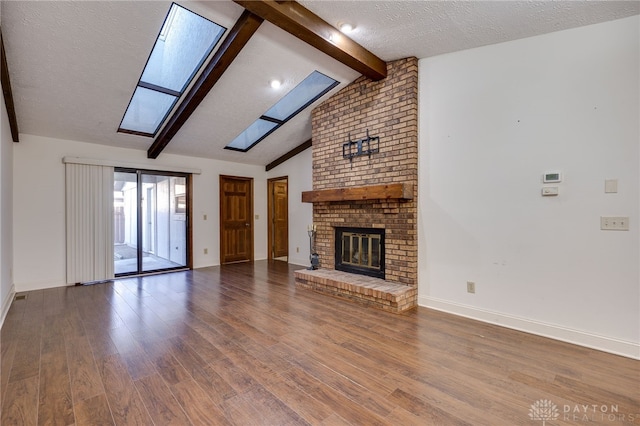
(150, 221)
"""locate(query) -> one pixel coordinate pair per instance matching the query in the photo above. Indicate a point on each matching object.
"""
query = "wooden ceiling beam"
(295, 151)
(8, 94)
(310, 28)
(242, 31)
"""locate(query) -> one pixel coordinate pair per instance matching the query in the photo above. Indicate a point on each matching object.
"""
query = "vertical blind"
(89, 219)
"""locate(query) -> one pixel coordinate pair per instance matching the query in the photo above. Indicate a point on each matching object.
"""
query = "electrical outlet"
(471, 287)
(206, 251)
(614, 223)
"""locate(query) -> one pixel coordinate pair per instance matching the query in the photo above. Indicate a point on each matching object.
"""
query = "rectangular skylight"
(311, 88)
(259, 129)
(184, 42)
(304, 94)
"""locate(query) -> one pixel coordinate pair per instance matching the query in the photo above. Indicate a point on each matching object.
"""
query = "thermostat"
(552, 177)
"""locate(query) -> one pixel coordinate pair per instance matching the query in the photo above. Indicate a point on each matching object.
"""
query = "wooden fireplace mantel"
(397, 191)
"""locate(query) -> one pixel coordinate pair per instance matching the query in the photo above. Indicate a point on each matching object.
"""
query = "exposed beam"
(6, 91)
(295, 151)
(309, 27)
(244, 28)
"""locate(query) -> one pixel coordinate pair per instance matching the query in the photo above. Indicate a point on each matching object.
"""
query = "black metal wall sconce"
(365, 146)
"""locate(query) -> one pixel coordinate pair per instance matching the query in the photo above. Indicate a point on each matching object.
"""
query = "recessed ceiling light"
(275, 84)
(346, 28)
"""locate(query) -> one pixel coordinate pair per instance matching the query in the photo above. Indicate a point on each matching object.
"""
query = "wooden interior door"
(236, 224)
(278, 217)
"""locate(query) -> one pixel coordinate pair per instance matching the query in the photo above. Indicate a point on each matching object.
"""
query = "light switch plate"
(548, 191)
(611, 186)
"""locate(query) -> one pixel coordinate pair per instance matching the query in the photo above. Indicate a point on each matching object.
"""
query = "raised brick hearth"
(369, 291)
(387, 109)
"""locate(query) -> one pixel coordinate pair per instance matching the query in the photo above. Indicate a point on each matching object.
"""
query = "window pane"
(163, 225)
(364, 253)
(185, 41)
(253, 133)
(375, 252)
(147, 110)
(346, 248)
(355, 250)
(125, 223)
(304, 93)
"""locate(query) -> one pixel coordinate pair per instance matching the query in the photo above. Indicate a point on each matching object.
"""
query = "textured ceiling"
(398, 29)
(74, 65)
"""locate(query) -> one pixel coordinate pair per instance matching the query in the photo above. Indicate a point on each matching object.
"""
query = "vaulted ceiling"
(74, 64)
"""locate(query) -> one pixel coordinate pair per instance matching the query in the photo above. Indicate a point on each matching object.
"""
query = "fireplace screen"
(360, 250)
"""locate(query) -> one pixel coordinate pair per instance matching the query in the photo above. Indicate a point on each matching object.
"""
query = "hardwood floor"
(239, 344)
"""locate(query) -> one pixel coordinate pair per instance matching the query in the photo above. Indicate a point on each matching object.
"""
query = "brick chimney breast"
(387, 109)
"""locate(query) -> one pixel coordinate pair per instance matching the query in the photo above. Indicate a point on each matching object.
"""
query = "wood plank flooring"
(240, 345)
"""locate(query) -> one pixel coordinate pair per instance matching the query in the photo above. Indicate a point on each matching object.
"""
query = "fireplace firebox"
(360, 251)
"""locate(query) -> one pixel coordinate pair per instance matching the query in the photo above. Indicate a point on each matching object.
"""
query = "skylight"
(304, 94)
(184, 42)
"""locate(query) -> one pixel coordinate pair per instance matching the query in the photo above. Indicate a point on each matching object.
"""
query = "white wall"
(6, 214)
(38, 198)
(299, 170)
(492, 120)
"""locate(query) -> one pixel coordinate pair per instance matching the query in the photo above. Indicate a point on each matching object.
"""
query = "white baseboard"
(42, 285)
(581, 338)
(6, 304)
(300, 262)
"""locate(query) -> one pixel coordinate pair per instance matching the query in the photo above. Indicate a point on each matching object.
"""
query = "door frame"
(251, 220)
(270, 215)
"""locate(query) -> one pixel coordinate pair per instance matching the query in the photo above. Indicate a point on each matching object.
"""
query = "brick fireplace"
(371, 191)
